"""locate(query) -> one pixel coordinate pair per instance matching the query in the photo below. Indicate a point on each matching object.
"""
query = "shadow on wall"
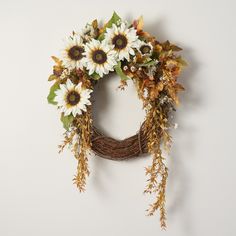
(179, 182)
(179, 185)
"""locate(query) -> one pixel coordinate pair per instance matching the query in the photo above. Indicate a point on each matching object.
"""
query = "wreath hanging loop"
(133, 54)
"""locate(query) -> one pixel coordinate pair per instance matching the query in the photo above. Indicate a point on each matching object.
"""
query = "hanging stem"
(81, 148)
(157, 172)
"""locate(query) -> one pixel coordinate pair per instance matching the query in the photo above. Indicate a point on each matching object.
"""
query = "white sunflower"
(72, 55)
(72, 99)
(124, 40)
(99, 57)
(146, 49)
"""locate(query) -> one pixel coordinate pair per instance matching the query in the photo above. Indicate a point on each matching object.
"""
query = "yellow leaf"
(181, 61)
(140, 23)
(55, 59)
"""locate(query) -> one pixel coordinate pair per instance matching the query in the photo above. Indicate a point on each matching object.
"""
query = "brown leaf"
(57, 70)
(175, 48)
(179, 87)
(95, 24)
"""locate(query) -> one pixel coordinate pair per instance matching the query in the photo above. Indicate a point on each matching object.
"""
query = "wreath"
(133, 54)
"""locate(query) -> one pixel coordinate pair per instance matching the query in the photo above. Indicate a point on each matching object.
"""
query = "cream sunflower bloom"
(72, 55)
(124, 40)
(146, 49)
(72, 99)
(99, 57)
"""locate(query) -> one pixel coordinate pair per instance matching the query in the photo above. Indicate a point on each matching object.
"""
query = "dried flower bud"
(65, 73)
(133, 68)
(125, 68)
(176, 125)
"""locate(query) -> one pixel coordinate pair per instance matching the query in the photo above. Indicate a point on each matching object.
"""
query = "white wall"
(37, 195)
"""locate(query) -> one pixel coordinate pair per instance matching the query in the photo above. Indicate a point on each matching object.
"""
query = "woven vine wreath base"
(112, 149)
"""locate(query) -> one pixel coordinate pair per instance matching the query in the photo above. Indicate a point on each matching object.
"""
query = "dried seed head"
(125, 68)
(176, 125)
(133, 68)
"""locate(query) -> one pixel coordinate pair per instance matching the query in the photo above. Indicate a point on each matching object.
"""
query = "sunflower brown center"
(145, 49)
(99, 56)
(73, 98)
(120, 41)
(76, 53)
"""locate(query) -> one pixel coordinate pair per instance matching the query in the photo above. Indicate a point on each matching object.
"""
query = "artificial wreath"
(133, 54)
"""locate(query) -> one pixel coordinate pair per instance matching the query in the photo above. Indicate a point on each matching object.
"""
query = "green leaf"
(52, 77)
(114, 20)
(95, 76)
(120, 72)
(52, 94)
(148, 63)
(67, 120)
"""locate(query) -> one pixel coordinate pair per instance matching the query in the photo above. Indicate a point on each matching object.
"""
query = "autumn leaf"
(138, 24)
(95, 24)
(57, 60)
